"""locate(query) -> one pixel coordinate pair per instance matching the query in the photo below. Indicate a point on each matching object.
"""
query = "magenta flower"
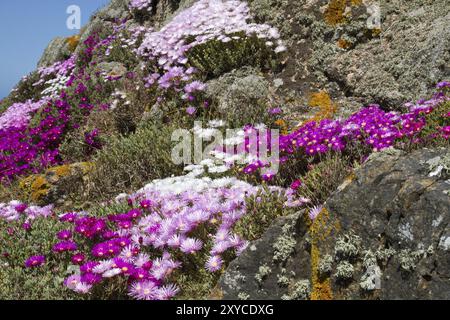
(64, 235)
(78, 258)
(35, 261)
(296, 184)
(146, 204)
(64, 246)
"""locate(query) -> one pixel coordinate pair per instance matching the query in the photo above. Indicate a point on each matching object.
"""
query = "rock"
(384, 234)
(113, 69)
(244, 275)
(115, 10)
(238, 94)
(55, 184)
(406, 62)
(57, 50)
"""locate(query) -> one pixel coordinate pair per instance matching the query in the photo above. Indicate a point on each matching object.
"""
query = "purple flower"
(314, 212)
(78, 258)
(35, 261)
(167, 292)
(64, 235)
(191, 245)
(144, 290)
(214, 264)
(64, 246)
(191, 110)
(275, 111)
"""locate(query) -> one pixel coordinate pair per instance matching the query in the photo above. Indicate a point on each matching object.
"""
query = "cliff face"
(359, 207)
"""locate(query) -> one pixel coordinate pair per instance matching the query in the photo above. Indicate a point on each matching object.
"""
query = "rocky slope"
(358, 210)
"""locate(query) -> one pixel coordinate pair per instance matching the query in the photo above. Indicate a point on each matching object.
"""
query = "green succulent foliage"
(325, 177)
(262, 210)
(215, 57)
(439, 118)
(127, 163)
(18, 282)
(25, 90)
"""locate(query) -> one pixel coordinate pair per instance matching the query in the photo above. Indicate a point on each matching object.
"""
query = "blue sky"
(26, 27)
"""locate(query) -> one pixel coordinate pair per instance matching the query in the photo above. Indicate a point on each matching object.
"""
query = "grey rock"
(57, 50)
(393, 218)
(243, 273)
(238, 94)
(113, 69)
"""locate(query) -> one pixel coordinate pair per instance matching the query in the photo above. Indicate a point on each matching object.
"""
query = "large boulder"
(384, 234)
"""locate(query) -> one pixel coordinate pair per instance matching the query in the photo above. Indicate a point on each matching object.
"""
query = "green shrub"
(262, 210)
(25, 90)
(17, 245)
(127, 163)
(325, 177)
(215, 57)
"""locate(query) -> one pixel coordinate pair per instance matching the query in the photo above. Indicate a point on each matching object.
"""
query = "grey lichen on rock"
(284, 245)
(58, 49)
(240, 94)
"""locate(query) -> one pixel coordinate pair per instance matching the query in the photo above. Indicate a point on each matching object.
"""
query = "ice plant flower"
(35, 261)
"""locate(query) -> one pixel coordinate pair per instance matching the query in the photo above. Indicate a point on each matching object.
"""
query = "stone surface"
(239, 93)
(58, 49)
(384, 234)
(412, 55)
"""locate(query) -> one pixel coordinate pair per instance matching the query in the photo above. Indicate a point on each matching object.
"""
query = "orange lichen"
(321, 288)
(320, 229)
(376, 32)
(60, 171)
(327, 108)
(335, 12)
(73, 42)
(283, 126)
(344, 44)
(35, 187)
